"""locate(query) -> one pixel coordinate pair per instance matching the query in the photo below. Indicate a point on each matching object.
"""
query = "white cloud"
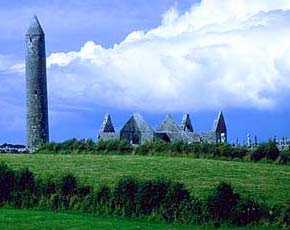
(218, 54)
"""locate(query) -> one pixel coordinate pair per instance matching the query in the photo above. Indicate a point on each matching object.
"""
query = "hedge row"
(266, 152)
(161, 200)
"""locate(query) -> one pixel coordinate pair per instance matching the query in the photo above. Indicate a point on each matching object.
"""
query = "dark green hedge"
(161, 200)
(264, 152)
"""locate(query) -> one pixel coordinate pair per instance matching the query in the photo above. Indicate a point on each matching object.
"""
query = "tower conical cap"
(35, 27)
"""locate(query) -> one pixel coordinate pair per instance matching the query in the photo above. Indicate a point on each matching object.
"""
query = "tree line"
(263, 152)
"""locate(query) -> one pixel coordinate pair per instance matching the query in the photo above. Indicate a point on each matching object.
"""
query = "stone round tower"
(36, 86)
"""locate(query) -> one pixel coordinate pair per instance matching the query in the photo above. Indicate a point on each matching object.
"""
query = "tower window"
(35, 92)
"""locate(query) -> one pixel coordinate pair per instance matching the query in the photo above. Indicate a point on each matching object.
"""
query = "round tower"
(36, 86)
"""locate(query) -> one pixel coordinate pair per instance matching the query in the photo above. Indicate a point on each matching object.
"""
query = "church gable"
(107, 126)
(220, 124)
(186, 124)
(168, 125)
(136, 130)
(220, 128)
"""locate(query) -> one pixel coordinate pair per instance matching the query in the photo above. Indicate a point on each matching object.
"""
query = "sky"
(157, 58)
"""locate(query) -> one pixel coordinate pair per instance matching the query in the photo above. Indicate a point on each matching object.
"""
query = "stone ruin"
(137, 131)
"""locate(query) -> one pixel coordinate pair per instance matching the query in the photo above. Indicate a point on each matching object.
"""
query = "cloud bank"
(220, 53)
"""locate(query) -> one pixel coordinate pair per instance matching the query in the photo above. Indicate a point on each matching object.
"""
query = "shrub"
(120, 146)
(274, 214)
(240, 152)
(225, 150)
(84, 190)
(272, 152)
(160, 146)
(89, 145)
(284, 158)
(48, 146)
(29, 200)
(176, 204)
(101, 145)
(124, 197)
(151, 195)
(90, 203)
(7, 180)
(69, 146)
(46, 187)
(55, 202)
(144, 149)
(188, 211)
(268, 150)
(207, 149)
(178, 147)
(68, 188)
(124, 147)
(197, 214)
(258, 153)
(16, 199)
(103, 200)
(221, 203)
(68, 185)
(248, 211)
(112, 145)
(286, 215)
(74, 203)
(25, 181)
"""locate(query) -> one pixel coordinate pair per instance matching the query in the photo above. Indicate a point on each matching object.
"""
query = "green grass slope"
(11, 219)
(268, 181)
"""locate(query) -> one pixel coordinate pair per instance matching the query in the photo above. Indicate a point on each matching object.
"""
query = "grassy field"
(268, 181)
(35, 220)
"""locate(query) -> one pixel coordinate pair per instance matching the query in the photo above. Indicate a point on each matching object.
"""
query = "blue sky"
(169, 56)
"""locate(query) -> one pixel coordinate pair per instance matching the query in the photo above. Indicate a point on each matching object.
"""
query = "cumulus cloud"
(220, 53)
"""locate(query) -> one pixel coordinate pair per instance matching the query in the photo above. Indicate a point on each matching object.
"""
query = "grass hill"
(261, 180)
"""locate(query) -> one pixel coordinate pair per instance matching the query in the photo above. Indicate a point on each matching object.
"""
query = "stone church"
(138, 131)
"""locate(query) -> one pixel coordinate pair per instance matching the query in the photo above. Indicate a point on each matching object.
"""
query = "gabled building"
(168, 125)
(169, 131)
(220, 129)
(186, 124)
(107, 126)
(137, 131)
(107, 131)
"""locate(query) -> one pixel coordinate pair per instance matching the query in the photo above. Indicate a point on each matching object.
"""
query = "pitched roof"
(137, 121)
(168, 125)
(186, 124)
(219, 123)
(107, 126)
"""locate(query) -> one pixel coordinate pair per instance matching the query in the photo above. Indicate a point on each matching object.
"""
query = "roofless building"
(137, 131)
